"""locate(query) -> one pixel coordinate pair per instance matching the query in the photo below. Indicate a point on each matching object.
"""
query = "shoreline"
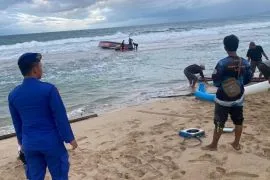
(11, 133)
(142, 142)
(10, 130)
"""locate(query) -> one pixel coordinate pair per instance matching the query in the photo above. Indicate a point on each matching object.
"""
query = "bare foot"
(210, 147)
(237, 147)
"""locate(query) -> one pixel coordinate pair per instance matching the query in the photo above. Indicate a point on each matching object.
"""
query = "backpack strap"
(239, 67)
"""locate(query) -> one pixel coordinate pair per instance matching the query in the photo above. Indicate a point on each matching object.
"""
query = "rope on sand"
(6, 136)
(174, 96)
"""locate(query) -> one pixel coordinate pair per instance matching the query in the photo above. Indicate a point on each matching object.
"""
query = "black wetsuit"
(256, 57)
(190, 72)
(122, 45)
(135, 46)
(130, 43)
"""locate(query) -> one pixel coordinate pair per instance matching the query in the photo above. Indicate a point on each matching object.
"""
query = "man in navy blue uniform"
(230, 76)
(40, 121)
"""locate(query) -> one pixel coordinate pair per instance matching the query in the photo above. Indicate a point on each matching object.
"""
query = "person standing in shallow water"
(230, 76)
(122, 46)
(40, 121)
(254, 55)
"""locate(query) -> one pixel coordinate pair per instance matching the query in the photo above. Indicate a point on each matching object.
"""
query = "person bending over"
(191, 71)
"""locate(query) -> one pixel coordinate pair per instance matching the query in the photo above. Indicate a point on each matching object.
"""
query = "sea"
(91, 79)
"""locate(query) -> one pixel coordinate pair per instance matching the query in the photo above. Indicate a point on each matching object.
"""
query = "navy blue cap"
(26, 61)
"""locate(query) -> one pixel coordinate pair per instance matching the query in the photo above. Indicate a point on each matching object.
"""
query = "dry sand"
(142, 142)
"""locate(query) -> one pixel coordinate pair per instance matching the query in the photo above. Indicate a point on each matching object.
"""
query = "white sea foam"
(144, 39)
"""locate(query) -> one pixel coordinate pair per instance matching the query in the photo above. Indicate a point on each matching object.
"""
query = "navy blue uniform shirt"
(39, 115)
(227, 68)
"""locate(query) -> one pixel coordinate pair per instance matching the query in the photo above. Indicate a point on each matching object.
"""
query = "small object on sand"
(228, 130)
(192, 133)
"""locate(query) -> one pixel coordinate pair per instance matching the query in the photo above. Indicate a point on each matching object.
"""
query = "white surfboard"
(258, 87)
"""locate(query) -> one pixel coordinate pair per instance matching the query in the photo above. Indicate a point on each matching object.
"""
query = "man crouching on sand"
(40, 121)
(230, 76)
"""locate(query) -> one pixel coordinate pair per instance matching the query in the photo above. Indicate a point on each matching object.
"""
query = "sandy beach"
(142, 142)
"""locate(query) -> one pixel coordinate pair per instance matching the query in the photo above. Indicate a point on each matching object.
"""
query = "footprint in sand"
(267, 144)
(164, 118)
(135, 126)
(221, 170)
(161, 128)
(135, 122)
(168, 158)
(82, 140)
(266, 152)
(150, 171)
(214, 175)
(164, 165)
(129, 161)
(268, 169)
(174, 112)
(132, 159)
(166, 109)
(136, 134)
(209, 158)
(170, 137)
(242, 174)
(248, 150)
(80, 175)
(106, 142)
(183, 148)
(176, 175)
(149, 147)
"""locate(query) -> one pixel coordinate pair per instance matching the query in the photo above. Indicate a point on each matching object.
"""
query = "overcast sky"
(27, 16)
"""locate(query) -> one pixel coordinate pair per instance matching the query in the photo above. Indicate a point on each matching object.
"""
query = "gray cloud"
(24, 15)
(189, 10)
(4, 4)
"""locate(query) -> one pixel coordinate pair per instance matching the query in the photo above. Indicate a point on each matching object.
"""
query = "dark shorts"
(254, 64)
(222, 112)
(191, 77)
(265, 70)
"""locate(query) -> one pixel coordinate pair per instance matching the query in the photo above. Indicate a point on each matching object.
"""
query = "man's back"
(255, 54)
(194, 69)
(227, 68)
(32, 102)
